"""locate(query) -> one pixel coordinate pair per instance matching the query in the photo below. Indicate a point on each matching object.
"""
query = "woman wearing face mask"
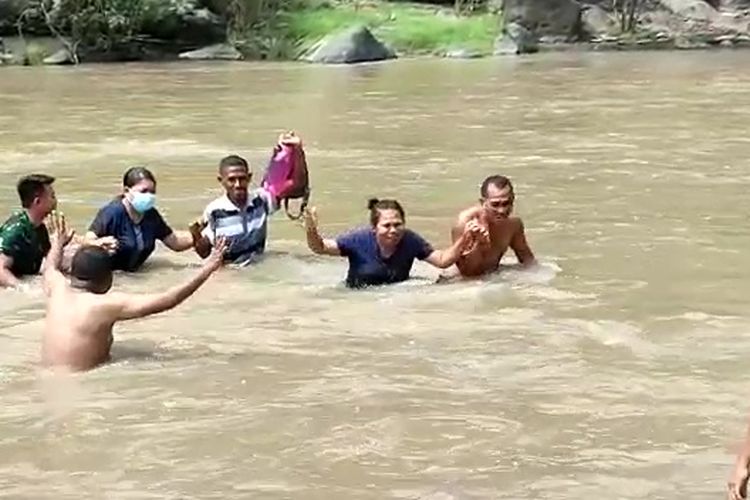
(135, 223)
(384, 252)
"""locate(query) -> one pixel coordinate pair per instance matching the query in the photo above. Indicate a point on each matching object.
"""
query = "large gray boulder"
(5, 57)
(182, 20)
(691, 9)
(62, 56)
(354, 45)
(545, 18)
(217, 52)
(596, 22)
(459, 53)
(515, 40)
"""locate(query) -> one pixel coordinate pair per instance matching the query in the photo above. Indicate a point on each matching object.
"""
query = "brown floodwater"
(614, 370)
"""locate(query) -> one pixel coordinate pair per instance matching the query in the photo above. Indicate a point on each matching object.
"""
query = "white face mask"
(142, 202)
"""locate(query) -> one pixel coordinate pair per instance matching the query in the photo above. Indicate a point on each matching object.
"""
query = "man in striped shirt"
(240, 216)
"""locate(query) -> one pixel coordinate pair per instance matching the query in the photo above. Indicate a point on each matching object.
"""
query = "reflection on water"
(615, 369)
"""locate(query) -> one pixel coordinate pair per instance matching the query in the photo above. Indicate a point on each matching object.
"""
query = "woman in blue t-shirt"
(134, 222)
(383, 253)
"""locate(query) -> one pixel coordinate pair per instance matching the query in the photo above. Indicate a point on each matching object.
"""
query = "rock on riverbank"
(354, 45)
(534, 25)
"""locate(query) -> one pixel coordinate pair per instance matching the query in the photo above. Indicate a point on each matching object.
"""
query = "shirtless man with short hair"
(81, 314)
(502, 230)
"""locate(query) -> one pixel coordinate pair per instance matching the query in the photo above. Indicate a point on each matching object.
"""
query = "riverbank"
(409, 29)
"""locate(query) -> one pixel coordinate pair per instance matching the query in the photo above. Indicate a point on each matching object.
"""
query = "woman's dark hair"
(134, 175)
(375, 205)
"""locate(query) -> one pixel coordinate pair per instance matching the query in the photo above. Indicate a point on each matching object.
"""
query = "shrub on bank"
(408, 28)
(261, 29)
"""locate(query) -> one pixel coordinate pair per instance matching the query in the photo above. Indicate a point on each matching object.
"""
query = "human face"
(46, 202)
(390, 228)
(143, 186)
(235, 181)
(498, 203)
(141, 196)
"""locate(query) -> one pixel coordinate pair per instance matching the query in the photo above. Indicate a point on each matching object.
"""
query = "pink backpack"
(287, 173)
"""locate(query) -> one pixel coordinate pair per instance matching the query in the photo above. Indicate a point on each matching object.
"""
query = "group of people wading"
(78, 270)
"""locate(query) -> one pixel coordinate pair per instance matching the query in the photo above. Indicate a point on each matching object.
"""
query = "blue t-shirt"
(135, 241)
(368, 267)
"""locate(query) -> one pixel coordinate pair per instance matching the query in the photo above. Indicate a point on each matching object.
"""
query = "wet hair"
(233, 161)
(91, 268)
(134, 175)
(375, 205)
(32, 186)
(499, 181)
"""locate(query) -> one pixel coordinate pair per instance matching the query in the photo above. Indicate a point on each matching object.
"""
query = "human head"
(497, 196)
(388, 220)
(234, 176)
(139, 188)
(37, 194)
(91, 269)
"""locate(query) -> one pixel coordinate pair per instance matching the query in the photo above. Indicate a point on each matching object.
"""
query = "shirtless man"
(81, 314)
(502, 231)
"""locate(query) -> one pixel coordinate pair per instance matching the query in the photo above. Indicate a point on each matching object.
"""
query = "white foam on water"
(612, 334)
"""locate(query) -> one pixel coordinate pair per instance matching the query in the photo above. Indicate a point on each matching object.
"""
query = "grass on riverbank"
(410, 29)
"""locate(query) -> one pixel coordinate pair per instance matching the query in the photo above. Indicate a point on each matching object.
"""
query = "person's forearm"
(7, 278)
(314, 240)
(450, 255)
(183, 240)
(53, 261)
(527, 261)
(181, 292)
(174, 296)
(89, 238)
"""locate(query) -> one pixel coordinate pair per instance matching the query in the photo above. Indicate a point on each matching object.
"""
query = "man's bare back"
(78, 331)
(502, 231)
(81, 314)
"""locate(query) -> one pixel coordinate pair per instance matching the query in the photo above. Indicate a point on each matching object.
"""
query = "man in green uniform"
(24, 241)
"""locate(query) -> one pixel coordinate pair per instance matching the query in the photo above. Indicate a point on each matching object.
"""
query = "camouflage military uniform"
(25, 244)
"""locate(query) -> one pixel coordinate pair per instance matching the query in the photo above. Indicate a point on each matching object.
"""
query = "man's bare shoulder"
(100, 309)
(115, 299)
(515, 221)
(106, 303)
(514, 224)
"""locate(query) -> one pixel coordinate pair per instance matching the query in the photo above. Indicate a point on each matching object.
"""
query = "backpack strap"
(302, 207)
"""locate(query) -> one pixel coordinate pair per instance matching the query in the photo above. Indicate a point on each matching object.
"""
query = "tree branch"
(71, 47)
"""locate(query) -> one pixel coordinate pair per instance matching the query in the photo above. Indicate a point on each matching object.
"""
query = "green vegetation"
(261, 29)
(98, 24)
(407, 28)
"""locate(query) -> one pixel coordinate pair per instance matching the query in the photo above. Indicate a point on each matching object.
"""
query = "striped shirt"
(245, 229)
